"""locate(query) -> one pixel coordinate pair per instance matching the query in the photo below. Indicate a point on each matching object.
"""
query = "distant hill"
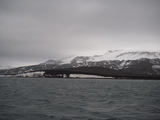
(137, 62)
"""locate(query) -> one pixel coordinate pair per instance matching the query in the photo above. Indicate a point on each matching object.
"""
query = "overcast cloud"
(33, 31)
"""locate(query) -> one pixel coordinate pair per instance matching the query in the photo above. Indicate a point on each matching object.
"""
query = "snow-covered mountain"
(125, 55)
(49, 62)
(110, 55)
(139, 62)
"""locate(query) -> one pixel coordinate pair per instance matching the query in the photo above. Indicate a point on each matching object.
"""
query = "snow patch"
(67, 60)
(31, 74)
(86, 76)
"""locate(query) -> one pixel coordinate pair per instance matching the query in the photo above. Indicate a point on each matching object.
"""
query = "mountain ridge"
(112, 55)
(141, 62)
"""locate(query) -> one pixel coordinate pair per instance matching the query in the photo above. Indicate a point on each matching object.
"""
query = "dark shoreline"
(119, 78)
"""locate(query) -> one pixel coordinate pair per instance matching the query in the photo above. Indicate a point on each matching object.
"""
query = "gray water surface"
(79, 99)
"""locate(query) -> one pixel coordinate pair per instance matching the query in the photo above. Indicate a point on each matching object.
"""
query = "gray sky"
(33, 31)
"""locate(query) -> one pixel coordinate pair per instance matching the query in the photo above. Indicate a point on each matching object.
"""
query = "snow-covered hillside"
(108, 56)
(50, 62)
(138, 62)
(67, 60)
(112, 55)
(125, 55)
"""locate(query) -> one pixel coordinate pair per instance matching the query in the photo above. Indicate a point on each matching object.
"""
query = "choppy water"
(79, 99)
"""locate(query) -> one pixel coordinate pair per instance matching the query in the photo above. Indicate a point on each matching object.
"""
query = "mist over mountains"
(137, 62)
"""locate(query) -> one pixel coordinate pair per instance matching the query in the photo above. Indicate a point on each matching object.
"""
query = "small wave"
(40, 117)
(113, 119)
(65, 119)
(10, 116)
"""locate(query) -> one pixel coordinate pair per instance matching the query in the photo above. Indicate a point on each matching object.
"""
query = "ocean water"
(79, 99)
